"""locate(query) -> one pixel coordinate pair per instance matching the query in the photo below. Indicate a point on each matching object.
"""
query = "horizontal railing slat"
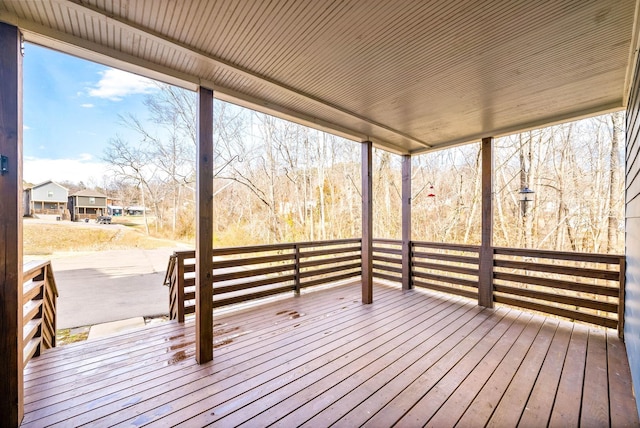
(329, 279)
(397, 252)
(446, 257)
(558, 269)
(393, 260)
(31, 308)
(558, 298)
(566, 313)
(559, 255)
(31, 290)
(445, 289)
(444, 278)
(253, 284)
(228, 251)
(387, 241)
(446, 268)
(252, 296)
(33, 268)
(329, 252)
(557, 283)
(253, 272)
(333, 269)
(387, 268)
(392, 278)
(30, 329)
(333, 260)
(328, 243)
(443, 246)
(252, 261)
(30, 349)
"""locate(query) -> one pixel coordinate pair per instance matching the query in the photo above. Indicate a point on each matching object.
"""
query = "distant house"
(135, 210)
(87, 204)
(45, 198)
(114, 210)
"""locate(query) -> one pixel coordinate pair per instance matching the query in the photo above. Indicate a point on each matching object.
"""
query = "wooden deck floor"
(409, 359)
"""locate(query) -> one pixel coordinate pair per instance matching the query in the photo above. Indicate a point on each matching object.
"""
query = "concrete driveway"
(108, 286)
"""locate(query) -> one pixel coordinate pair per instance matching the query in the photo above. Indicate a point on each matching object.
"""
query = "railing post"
(407, 283)
(366, 246)
(11, 291)
(485, 276)
(296, 249)
(180, 287)
(621, 294)
(204, 227)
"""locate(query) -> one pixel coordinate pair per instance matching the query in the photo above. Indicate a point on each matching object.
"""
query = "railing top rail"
(560, 255)
(446, 246)
(327, 243)
(33, 266)
(252, 249)
(185, 254)
(269, 247)
(30, 270)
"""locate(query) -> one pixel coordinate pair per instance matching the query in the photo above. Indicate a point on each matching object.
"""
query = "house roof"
(44, 183)
(89, 193)
(411, 76)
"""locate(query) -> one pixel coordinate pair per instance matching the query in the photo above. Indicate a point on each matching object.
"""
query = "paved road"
(111, 285)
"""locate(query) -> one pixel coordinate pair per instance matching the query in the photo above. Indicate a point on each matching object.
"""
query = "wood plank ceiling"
(412, 76)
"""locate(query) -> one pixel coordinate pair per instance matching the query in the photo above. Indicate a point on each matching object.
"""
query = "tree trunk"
(617, 135)
(144, 209)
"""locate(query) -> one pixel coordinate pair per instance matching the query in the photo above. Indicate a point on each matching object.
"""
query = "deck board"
(411, 358)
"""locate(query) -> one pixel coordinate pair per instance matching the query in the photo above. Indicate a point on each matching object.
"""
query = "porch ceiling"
(409, 75)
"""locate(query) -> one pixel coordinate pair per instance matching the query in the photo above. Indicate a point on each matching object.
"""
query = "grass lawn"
(41, 238)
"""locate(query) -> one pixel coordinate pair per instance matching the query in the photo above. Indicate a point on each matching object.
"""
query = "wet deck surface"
(410, 359)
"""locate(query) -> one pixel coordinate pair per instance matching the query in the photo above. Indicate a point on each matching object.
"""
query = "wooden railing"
(39, 311)
(242, 274)
(387, 260)
(449, 268)
(579, 286)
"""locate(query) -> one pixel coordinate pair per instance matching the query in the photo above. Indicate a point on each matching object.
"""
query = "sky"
(71, 109)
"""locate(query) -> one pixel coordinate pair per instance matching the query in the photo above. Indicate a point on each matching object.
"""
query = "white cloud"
(37, 170)
(86, 105)
(115, 84)
(25, 127)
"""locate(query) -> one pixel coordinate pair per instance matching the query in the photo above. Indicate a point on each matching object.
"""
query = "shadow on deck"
(411, 359)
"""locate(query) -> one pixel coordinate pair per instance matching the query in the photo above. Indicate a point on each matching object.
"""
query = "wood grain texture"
(406, 222)
(485, 277)
(323, 358)
(367, 222)
(204, 228)
(11, 354)
(258, 55)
